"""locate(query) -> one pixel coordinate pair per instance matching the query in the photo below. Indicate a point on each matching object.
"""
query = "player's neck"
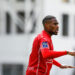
(48, 32)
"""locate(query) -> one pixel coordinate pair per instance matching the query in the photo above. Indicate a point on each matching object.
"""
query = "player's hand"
(64, 67)
(71, 53)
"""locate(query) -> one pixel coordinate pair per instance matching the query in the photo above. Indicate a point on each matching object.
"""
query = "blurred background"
(21, 21)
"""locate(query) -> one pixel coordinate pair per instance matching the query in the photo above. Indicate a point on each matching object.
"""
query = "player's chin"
(56, 33)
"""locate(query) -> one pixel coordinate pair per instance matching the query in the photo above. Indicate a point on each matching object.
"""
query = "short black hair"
(49, 17)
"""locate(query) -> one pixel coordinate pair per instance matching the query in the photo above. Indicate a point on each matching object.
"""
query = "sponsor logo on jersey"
(45, 44)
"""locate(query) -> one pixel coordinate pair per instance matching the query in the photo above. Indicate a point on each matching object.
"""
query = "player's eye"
(55, 23)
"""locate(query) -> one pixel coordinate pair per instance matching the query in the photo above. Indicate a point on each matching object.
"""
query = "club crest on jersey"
(45, 44)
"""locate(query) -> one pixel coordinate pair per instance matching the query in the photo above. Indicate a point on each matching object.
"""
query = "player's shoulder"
(41, 37)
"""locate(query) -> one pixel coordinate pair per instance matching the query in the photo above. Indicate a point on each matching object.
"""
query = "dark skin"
(51, 27)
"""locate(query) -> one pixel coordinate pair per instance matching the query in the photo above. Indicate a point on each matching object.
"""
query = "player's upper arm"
(47, 52)
(44, 47)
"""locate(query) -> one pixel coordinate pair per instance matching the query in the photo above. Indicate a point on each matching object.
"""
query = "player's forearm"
(63, 67)
(53, 54)
(71, 53)
(56, 63)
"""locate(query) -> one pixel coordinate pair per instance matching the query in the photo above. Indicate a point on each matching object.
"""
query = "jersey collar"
(46, 34)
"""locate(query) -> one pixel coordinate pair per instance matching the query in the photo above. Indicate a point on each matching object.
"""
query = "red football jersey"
(41, 57)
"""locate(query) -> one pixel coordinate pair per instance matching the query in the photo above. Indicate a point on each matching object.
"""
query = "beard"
(53, 33)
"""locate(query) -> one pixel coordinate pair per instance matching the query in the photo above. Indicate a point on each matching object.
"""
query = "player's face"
(52, 27)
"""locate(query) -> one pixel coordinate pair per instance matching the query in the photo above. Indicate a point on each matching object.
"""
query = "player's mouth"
(57, 30)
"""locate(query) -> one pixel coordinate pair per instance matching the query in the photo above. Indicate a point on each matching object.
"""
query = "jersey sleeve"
(56, 63)
(47, 53)
(44, 45)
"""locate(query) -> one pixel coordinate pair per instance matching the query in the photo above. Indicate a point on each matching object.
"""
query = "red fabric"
(56, 63)
(52, 54)
(41, 57)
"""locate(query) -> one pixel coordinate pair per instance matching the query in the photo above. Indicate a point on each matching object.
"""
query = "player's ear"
(46, 23)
